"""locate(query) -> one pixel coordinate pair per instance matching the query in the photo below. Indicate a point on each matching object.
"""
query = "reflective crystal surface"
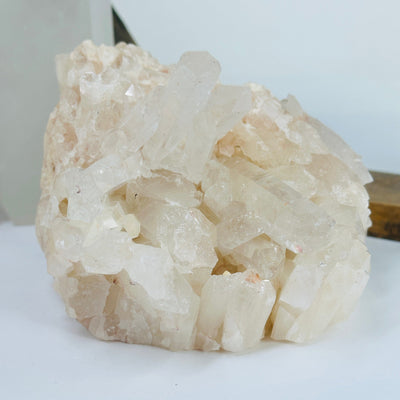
(180, 212)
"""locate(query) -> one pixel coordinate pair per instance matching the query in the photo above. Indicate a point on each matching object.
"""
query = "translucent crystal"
(180, 212)
(234, 309)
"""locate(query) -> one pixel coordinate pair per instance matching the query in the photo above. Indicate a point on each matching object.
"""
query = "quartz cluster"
(183, 213)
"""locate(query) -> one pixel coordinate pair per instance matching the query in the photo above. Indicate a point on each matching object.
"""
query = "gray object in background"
(3, 215)
(31, 34)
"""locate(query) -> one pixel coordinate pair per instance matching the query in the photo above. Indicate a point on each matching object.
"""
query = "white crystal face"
(183, 213)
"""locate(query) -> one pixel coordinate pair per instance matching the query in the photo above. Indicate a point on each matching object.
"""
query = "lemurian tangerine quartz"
(180, 212)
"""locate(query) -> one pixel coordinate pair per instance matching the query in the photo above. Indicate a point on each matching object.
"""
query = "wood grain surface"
(384, 194)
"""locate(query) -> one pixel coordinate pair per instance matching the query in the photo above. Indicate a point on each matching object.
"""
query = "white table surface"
(46, 355)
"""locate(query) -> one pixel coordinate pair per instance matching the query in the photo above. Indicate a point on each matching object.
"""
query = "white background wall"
(32, 33)
(340, 58)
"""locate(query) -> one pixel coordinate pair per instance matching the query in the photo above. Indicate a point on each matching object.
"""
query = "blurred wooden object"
(121, 34)
(384, 194)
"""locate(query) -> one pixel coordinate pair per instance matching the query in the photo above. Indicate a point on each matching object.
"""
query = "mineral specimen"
(183, 213)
